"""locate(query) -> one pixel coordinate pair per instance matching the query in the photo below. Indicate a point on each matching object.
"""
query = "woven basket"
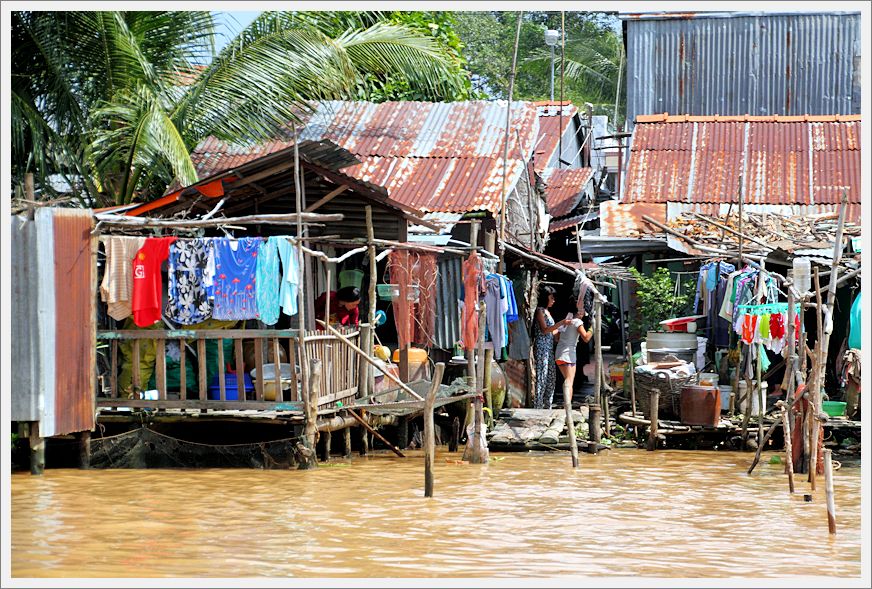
(669, 404)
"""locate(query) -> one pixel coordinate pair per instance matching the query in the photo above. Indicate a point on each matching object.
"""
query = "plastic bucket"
(726, 391)
(708, 379)
(834, 408)
(350, 278)
(700, 406)
(755, 397)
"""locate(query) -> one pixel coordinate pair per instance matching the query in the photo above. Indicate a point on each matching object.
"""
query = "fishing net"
(146, 448)
(415, 275)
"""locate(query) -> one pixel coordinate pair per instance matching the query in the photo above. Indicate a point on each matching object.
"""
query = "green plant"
(657, 299)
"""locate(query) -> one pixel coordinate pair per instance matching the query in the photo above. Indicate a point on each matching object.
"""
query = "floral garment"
(188, 299)
(546, 368)
(235, 278)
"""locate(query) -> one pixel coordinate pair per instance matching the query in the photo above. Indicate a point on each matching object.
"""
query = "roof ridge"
(667, 118)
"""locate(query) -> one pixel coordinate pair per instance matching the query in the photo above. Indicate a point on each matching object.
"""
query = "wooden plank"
(326, 198)
(222, 386)
(258, 364)
(113, 377)
(240, 369)
(135, 362)
(292, 358)
(196, 404)
(278, 372)
(161, 368)
(134, 334)
(201, 367)
(349, 392)
(183, 377)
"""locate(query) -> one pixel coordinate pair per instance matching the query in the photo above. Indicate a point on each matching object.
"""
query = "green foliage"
(657, 300)
(115, 101)
(593, 56)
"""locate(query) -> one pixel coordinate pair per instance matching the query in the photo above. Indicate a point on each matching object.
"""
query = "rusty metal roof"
(784, 160)
(564, 188)
(444, 157)
(625, 219)
(550, 129)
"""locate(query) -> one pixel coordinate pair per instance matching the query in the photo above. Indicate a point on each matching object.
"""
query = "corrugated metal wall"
(793, 64)
(449, 286)
(26, 369)
(54, 321)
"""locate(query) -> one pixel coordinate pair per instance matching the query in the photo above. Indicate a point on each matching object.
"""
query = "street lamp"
(551, 37)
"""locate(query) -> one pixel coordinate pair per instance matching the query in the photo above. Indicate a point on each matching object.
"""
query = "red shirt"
(147, 283)
(338, 313)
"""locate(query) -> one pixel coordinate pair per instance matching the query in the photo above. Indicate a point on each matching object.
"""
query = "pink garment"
(473, 284)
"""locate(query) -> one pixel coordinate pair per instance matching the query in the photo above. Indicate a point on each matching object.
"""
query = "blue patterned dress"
(268, 281)
(236, 278)
(188, 299)
(546, 368)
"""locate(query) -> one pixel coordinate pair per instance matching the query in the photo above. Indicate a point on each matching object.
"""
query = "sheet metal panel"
(752, 63)
(448, 288)
(26, 394)
(74, 315)
(564, 188)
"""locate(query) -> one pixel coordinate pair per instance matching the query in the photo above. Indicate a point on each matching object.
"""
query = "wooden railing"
(338, 380)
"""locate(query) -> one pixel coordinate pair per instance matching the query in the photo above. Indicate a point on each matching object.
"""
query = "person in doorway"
(565, 355)
(343, 306)
(544, 332)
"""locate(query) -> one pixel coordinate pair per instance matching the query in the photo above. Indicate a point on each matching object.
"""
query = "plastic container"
(269, 372)
(230, 392)
(657, 340)
(681, 324)
(708, 379)
(350, 278)
(834, 408)
(802, 274)
(726, 392)
(755, 398)
(700, 405)
(419, 365)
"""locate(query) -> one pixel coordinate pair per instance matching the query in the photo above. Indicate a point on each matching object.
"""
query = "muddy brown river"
(623, 513)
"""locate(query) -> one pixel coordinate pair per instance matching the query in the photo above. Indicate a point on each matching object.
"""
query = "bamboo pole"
(788, 448)
(632, 378)
(489, 245)
(831, 500)
(279, 219)
(429, 430)
(301, 291)
(602, 398)
(504, 195)
(815, 402)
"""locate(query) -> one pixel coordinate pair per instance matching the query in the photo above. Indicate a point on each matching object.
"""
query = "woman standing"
(566, 346)
(544, 330)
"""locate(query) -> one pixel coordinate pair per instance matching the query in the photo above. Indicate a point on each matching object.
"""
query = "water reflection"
(622, 513)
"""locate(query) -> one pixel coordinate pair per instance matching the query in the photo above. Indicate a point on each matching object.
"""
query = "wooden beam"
(261, 175)
(327, 198)
(284, 219)
(369, 428)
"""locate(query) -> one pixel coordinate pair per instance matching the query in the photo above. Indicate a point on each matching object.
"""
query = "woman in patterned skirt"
(544, 330)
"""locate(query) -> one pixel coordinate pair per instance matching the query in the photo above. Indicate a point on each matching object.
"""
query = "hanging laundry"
(268, 280)
(147, 282)
(494, 313)
(415, 275)
(473, 281)
(188, 300)
(585, 288)
(116, 289)
(235, 278)
(290, 285)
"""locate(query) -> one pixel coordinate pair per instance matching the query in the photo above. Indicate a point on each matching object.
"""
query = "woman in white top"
(564, 356)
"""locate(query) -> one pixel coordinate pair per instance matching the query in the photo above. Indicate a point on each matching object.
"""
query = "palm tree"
(115, 101)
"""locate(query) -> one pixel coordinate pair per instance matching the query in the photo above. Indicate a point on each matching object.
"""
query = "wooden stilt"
(310, 399)
(655, 410)
(37, 449)
(346, 438)
(570, 426)
(788, 448)
(369, 428)
(325, 447)
(429, 430)
(831, 499)
(594, 427)
(817, 386)
(364, 436)
(84, 439)
(632, 378)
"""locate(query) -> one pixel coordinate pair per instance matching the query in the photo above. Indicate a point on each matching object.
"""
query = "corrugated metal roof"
(625, 219)
(758, 63)
(550, 129)
(432, 156)
(564, 188)
(784, 160)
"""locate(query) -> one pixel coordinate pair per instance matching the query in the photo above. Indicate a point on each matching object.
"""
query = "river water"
(623, 513)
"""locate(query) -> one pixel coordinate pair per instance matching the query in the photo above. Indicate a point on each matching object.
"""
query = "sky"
(230, 23)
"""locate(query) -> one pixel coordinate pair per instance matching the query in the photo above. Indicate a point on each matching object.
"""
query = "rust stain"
(563, 188)
(75, 327)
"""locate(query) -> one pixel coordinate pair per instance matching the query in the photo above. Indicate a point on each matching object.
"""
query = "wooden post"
(594, 434)
(310, 399)
(325, 448)
(598, 361)
(84, 439)
(364, 436)
(369, 428)
(346, 438)
(477, 456)
(570, 426)
(632, 378)
(37, 449)
(490, 246)
(364, 389)
(817, 382)
(655, 410)
(788, 447)
(831, 500)
(429, 430)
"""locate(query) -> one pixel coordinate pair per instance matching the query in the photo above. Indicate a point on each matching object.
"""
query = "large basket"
(669, 405)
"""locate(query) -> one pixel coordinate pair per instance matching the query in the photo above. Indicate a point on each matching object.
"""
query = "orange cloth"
(473, 284)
